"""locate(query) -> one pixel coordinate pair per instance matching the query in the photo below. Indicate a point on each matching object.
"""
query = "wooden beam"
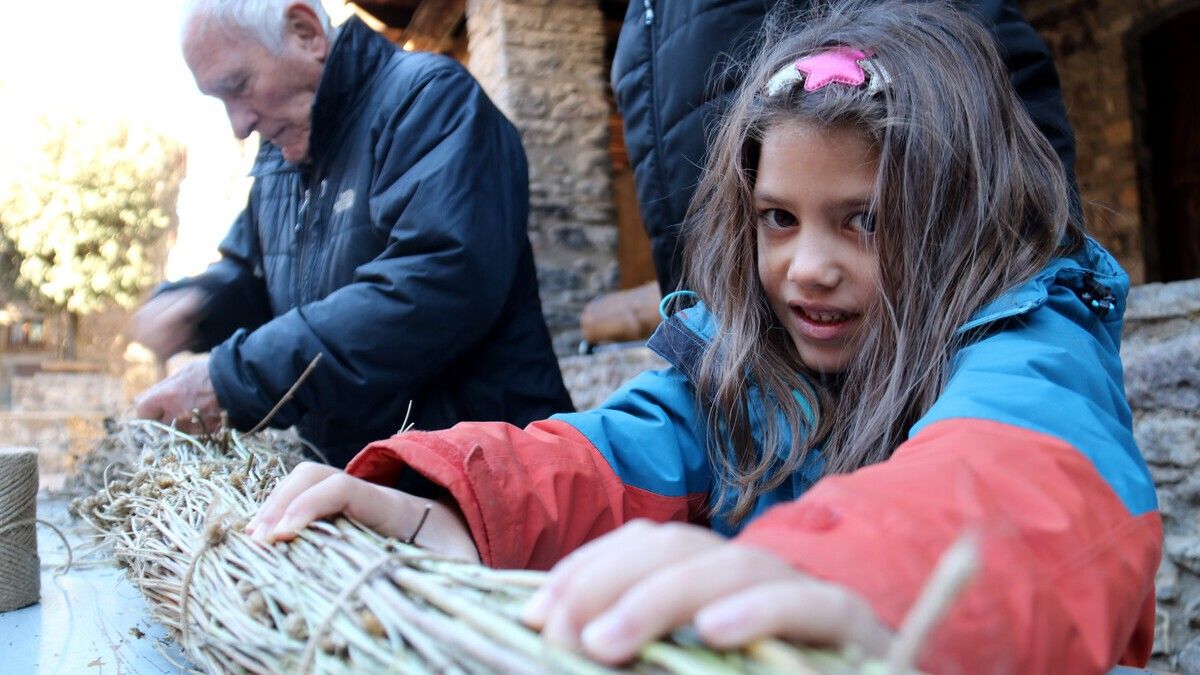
(394, 14)
(432, 26)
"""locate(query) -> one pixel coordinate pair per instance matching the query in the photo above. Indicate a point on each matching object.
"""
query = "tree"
(82, 213)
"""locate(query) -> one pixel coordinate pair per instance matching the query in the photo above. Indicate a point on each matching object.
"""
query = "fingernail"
(287, 527)
(722, 621)
(536, 608)
(560, 630)
(608, 639)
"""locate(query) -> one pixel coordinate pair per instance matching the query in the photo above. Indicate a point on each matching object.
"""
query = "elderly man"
(385, 231)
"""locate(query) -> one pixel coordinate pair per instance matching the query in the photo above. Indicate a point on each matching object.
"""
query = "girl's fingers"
(671, 595)
(591, 579)
(388, 512)
(537, 609)
(589, 585)
(304, 476)
(802, 610)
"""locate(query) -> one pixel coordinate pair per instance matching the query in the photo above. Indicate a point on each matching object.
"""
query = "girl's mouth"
(824, 324)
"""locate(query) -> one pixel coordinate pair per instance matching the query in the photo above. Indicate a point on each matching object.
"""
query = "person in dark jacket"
(666, 76)
(385, 231)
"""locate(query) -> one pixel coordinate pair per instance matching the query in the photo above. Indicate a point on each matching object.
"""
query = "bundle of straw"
(339, 598)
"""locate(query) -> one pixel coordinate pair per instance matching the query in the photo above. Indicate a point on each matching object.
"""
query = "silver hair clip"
(838, 65)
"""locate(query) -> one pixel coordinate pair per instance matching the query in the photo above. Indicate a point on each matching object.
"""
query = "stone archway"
(1166, 98)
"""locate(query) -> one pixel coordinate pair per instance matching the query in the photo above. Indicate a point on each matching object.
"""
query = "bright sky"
(121, 59)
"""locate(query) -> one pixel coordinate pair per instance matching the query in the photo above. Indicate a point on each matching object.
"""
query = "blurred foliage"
(10, 265)
(83, 210)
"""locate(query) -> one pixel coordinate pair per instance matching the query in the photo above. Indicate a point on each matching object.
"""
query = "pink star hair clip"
(841, 65)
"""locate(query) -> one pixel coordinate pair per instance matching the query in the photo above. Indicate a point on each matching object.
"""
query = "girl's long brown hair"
(970, 201)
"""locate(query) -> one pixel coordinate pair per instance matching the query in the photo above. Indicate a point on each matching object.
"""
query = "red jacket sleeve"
(529, 496)
(1066, 583)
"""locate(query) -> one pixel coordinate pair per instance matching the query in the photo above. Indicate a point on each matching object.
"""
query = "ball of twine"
(20, 569)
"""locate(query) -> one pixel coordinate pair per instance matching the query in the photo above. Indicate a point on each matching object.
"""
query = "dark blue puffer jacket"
(399, 251)
(665, 78)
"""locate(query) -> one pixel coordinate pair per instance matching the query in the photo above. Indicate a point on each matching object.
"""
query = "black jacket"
(399, 252)
(664, 79)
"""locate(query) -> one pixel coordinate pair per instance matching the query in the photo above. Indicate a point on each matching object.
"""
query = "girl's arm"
(530, 496)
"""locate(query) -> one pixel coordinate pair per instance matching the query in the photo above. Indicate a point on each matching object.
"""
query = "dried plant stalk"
(339, 598)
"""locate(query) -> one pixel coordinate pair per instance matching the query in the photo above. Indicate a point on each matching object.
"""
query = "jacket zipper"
(656, 124)
(301, 240)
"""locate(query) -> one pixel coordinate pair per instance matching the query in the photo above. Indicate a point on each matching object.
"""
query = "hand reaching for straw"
(616, 594)
(313, 491)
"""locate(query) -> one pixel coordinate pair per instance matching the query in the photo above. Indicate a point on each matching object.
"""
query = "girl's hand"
(623, 590)
(313, 491)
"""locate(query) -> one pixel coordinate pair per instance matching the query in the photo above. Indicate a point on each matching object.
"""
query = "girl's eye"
(863, 222)
(777, 218)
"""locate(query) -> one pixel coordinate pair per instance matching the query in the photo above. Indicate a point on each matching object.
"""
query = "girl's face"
(816, 253)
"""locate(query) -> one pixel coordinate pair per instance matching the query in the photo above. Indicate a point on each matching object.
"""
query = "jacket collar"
(1089, 267)
(356, 57)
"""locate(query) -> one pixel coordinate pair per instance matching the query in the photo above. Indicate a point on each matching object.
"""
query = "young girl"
(901, 336)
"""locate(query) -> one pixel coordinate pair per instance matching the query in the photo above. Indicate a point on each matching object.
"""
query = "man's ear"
(301, 24)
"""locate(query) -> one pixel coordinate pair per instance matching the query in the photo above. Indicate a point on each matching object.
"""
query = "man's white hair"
(262, 20)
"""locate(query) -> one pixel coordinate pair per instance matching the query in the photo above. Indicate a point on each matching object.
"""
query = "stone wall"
(1088, 39)
(541, 61)
(60, 437)
(48, 392)
(1161, 353)
(61, 414)
(591, 378)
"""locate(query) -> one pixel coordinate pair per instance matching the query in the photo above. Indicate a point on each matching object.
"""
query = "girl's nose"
(815, 260)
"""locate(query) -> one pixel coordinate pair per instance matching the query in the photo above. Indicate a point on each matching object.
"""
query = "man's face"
(262, 91)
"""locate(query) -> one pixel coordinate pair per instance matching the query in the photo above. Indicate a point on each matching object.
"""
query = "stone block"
(1169, 439)
(592, 378)
(551, 280)
(1166, 582)
(1165, 374)
(51, 391)
(60, 437)
(1183, 548)
(572, 238)
(1188, 660)
(1164, 301)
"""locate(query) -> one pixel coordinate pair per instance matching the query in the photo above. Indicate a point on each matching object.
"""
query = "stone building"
(1128, 70)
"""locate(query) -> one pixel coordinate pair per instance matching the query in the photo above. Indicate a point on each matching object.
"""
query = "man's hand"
(181, 398)
(166, 324)
(616, 594)
(313, 491)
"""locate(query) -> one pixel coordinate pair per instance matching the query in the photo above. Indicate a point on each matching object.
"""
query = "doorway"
(1171, 140)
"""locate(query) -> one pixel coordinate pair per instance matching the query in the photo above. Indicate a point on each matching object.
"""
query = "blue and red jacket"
(1030, 444)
